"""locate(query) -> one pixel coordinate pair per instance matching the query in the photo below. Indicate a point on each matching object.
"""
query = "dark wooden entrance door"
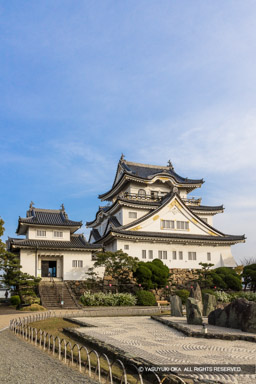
(45, 268)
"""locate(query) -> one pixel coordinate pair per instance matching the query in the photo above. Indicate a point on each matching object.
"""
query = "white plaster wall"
(28, 261)
(71, 273)
(183, 193)
(220, 255)
(49, 233)
(112, 247)
(208, 217)
(125, 213)
(157, 186)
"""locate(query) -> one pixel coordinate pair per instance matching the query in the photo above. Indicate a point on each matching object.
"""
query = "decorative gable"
(173, 217)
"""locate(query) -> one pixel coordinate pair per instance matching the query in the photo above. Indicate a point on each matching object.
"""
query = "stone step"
(52, 294)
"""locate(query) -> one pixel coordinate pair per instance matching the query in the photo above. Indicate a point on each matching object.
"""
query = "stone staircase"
(54, 292)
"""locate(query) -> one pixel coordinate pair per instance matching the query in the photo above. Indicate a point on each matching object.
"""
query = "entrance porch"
(50, 266)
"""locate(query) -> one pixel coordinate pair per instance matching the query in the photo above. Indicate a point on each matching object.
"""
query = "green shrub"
(145, 298)
(33, 307)
(183, 294)
(152, 274)
(251, 296)
(249, 275)
(101, 299)
(15, 300)
(226, 278)
(223, 296)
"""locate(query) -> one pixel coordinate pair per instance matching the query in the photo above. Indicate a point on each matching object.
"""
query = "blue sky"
(84, 81)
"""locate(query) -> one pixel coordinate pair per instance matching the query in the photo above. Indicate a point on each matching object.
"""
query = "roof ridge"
(166, 167)
(47, 210)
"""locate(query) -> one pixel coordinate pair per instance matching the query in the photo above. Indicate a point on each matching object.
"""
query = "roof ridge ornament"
(122, 158)
(31, 205)
(169, 164)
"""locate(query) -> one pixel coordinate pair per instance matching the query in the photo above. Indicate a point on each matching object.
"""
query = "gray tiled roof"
(206, 208)
(182, 236)
(48, 217)
(113, 220)
(147, 172)
(76, 241)
(95, 233)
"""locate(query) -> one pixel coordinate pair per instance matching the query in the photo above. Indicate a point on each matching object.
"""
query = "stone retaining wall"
(182, 278)
(120, 311)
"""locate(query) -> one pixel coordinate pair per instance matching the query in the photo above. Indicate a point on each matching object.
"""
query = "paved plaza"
(145, 338)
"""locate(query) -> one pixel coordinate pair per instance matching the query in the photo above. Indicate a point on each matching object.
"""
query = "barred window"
(150, 254)
(58, 234)
(142, 193)
(160, 255)
(77, 263)
(132, 215)
(174, 255)
(164, 255)
(209, 256)
(41, 233)
(192, 255)
(180, 255)
(144, 254)
(167, 224)
(182, 225)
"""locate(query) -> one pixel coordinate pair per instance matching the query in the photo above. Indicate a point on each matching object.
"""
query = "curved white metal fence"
(89, 362)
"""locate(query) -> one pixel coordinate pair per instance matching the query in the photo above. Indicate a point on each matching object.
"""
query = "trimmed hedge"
(145, 298)
(101, 299)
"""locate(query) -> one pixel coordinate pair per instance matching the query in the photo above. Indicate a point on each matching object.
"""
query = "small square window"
(126, 246)
(132, 215)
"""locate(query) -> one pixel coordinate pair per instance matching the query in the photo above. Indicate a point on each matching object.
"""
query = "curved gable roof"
(147, 172)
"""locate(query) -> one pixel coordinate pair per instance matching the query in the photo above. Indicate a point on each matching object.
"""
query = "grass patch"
(55, 325)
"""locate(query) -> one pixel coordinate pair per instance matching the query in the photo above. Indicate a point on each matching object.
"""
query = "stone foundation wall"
(182, 278)
(79, 287)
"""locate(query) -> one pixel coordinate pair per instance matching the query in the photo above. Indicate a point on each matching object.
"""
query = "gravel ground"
(161, 345)
(22, 363)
